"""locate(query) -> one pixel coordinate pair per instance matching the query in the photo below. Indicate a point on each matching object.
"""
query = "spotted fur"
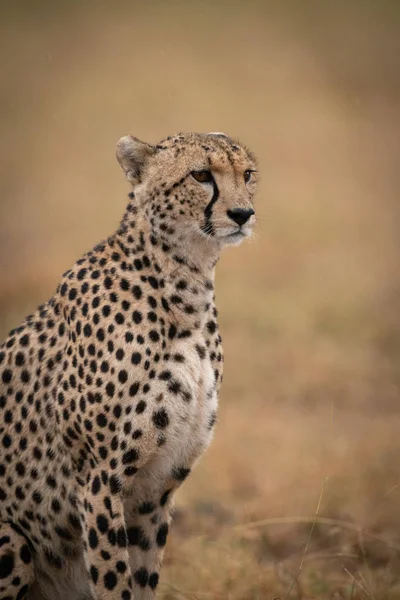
(108, 392)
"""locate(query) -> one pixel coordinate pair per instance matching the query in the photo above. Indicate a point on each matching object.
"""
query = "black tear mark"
(207, 227)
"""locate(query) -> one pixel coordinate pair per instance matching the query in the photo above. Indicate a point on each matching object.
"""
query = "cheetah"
(108, 392)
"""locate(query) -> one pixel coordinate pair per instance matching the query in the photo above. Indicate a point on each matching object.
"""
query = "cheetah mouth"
(228, 235)
(234, 234)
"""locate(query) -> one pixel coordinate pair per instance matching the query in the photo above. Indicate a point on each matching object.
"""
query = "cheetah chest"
(190, 396)
(184, 399)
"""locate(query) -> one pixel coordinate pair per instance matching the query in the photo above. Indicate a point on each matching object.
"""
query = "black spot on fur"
(6, 565)
(162, 534)
(160, 418)
(110, 580)
(153, 580)
(141, 577)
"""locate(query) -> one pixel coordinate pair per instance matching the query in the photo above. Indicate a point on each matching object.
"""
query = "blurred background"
(299, 495)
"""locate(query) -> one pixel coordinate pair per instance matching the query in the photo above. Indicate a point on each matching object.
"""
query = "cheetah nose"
(240, 215)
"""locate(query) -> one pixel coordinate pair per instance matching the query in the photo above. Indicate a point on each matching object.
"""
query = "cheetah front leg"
(147, 529)
(105, 538)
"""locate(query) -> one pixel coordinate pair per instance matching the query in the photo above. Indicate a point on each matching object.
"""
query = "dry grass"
(299, 495)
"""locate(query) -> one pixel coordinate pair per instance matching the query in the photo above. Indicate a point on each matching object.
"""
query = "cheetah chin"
(236, 237)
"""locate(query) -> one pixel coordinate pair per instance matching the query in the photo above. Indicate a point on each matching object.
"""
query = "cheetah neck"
(136, 235)
(187, 277)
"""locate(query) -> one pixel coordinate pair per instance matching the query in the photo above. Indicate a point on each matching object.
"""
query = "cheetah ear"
(132, 155)
(218, 134)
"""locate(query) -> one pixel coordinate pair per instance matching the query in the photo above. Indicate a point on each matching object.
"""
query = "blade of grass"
(360, 585)
(308, 539)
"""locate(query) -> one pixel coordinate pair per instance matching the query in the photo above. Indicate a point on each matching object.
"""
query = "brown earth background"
(299, 495)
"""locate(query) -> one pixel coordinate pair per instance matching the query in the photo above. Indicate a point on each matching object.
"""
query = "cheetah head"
(195, 189)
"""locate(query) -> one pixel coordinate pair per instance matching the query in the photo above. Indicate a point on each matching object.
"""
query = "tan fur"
(108, 392)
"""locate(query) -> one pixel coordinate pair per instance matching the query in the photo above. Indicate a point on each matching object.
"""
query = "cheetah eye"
(202, 176)
(248, 175)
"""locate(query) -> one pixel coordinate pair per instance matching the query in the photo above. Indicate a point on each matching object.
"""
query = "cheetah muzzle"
(108, 392)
